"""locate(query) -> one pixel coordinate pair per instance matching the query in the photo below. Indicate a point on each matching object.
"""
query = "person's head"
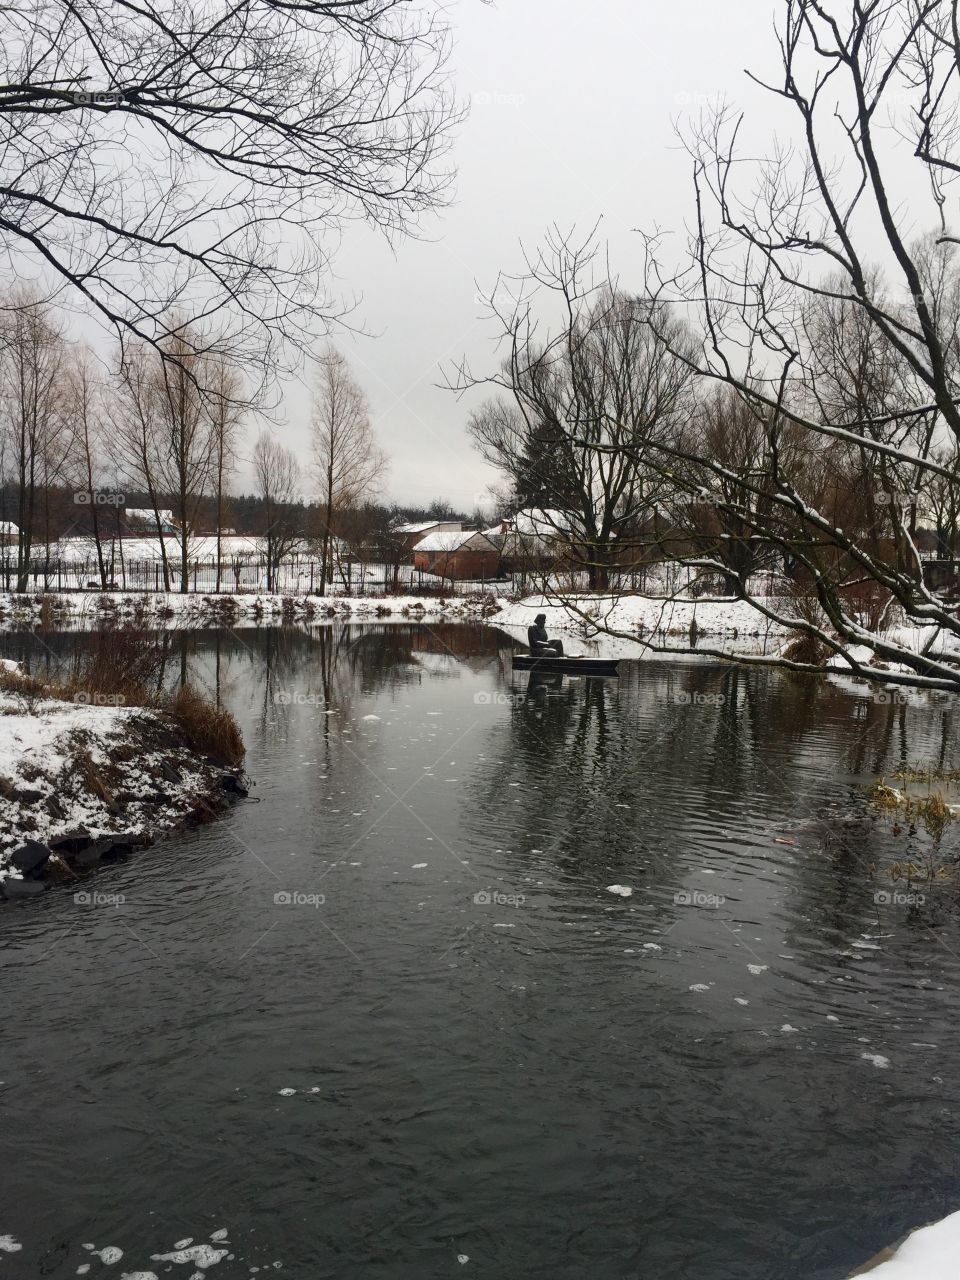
(540, 619)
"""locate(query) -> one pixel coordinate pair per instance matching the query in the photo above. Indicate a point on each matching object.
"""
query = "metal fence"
(297, 576)
(301, 575)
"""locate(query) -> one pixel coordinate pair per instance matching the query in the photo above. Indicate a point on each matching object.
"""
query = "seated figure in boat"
(539, 642)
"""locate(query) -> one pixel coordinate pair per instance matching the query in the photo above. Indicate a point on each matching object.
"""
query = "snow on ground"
(94, 607)
(932, 1253)
(50, 749)
(646, 616)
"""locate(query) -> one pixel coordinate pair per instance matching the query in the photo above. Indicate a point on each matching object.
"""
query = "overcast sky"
(572, 111)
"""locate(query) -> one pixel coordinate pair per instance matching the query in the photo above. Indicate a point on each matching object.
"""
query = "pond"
(396, 1017)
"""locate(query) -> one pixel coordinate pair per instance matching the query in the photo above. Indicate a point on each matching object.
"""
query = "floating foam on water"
(652, 946)
(418, 866)
(219, 1234)
(9, 1245)
(109, 1255)
(621, 890)
(286, 1093)
(201, 1255)
(370, 717)
(877, 1059)
(182, 1244)
(758, 968)
(700, 986)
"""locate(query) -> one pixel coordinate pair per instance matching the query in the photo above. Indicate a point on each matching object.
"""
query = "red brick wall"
(458, 564)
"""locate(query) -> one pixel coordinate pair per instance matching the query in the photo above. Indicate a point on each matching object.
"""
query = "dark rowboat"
(566, 665)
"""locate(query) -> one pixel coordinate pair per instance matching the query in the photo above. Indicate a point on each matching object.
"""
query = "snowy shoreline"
(81, 784)
(98, 608)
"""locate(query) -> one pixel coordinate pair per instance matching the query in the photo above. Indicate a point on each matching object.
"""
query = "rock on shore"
(82, 784)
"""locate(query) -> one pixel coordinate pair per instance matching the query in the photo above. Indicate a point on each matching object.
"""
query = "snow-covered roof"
(146, 513)
(540, 523)
(423, 526)
(450, 541)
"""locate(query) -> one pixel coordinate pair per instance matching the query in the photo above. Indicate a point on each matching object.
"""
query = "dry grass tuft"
(805, 648)
(206, 728)
(85, 768)
(119, 665)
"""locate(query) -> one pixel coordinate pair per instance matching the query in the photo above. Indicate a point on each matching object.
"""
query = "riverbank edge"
(100, 608)
(83, 785)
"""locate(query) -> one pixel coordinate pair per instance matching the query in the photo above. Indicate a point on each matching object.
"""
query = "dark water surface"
(562, 1083)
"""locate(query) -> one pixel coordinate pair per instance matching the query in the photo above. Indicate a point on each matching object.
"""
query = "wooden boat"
(567, 665)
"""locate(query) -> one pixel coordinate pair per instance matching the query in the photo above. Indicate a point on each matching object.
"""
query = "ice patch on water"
(418, 866)
(758, 968)
(463, 1258)
(201, 1255)
(700, 986)
(182, 1244)
(139, 1275)
(877, 1059)
(370, 717)
(109, 1255)
(740, 1000)
(787, 1028)
(621, 890)
(652, 946)
(286, 1093)
(9, 1245)
(83, 1268)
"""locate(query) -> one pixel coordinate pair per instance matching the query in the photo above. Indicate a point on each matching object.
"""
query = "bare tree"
(586, 406)
(136, 413)
(277, 474)
(32, 356)
(186, 443)
(170, 156)
(84, 391)
(226, 410)
(817, 323)
(169, 416)
(348, 462)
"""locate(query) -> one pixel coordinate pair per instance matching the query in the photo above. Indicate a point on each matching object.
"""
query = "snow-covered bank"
(94, 608)
(81, 783)
(646, 617)
(931, 1253)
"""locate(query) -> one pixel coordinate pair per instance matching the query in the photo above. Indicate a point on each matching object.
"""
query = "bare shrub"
(121, 663)
(206, 728)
